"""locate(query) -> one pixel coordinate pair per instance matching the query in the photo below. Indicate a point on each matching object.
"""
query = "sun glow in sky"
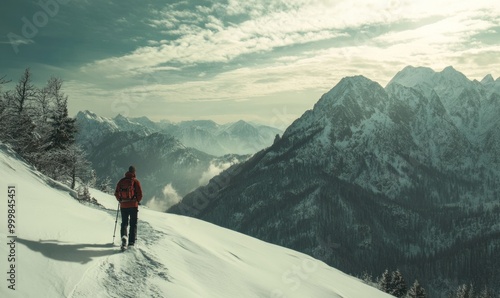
(262, 60)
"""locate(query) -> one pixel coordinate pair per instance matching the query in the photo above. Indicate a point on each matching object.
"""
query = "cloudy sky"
(262, 60)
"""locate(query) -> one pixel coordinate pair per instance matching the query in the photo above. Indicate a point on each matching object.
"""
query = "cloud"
(243, 51)
(223, 33)
(214, 170)
(200, 38)
(170, 198)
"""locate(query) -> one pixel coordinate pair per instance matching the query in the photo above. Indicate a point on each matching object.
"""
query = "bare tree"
(19, 126)
(3, 104)
(3, 108)
(3, 80)
(43, 104)
(24, 92)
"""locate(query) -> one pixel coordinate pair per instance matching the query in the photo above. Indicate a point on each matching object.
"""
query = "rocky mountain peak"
(451, 75)
(447, 83)
(242, 127)
(87, 114)
(488, 79)
(411, 76)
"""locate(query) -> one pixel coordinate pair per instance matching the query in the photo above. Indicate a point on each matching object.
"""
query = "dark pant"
(132, 214)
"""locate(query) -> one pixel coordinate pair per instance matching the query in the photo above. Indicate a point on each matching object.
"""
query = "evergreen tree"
(85, 194)
(417, 291)
(57, 156)
(367, 277)
(398, 284)
(63, 127)
(44, 108)
(385, 282)
(465, 291)
(37, 125)
(105, 186)
(486, 293)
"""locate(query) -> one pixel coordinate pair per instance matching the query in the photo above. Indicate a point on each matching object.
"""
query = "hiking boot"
(124, 240)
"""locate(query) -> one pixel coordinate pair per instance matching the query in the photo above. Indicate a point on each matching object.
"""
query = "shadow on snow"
(68, 252)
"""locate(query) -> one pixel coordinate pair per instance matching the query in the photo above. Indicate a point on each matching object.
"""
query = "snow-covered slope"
(64, 249)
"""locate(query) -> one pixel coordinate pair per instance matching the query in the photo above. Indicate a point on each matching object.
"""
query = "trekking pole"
(116, 221)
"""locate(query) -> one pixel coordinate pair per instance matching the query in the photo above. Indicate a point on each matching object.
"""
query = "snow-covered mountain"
(92, 129)
(64, 249)
(240, 137)
(166, 168)
(205, 135)
(469, 104)
(399, 177)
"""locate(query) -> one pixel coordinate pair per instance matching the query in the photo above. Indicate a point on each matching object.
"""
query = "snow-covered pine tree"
(105, 186)
(44, 108)
(465, 291)
(59, 157)
(385, 282)
(486, 293)
(85, 195)
(63, 127)
(398, 284)
(92, 182)
(417, 291)
(37, 125)
(367, 277)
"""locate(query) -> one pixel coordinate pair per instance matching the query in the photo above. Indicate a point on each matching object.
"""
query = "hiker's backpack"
(126, 189)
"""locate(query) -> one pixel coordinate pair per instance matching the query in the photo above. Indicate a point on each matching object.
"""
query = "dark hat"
(131, 169)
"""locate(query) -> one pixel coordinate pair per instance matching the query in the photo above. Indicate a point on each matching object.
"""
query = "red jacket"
(137, 191)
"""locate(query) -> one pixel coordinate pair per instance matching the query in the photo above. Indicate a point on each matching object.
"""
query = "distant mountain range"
(371, 178)
(205, 135)
(167, 166)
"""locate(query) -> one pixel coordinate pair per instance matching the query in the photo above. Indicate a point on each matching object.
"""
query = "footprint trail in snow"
(133, 273)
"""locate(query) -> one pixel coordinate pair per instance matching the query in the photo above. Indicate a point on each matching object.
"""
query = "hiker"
(129, 194)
